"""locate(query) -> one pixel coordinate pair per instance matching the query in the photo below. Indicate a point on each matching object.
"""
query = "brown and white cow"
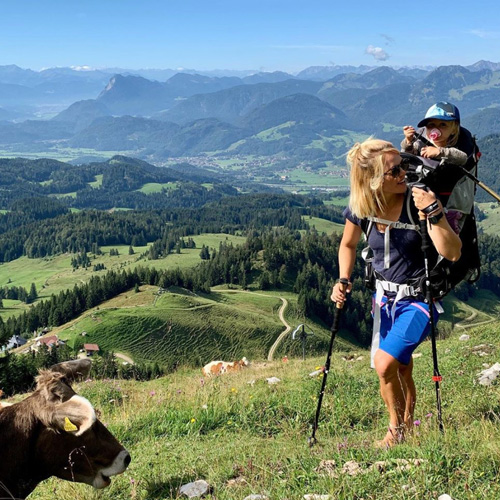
(215, 368)
(55, 432)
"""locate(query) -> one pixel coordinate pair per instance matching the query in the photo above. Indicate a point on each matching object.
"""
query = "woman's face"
(394, 174)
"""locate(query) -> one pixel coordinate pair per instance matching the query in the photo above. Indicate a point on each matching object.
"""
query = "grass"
(490, 225)
(323, 225)
(179, 429)
(51, 275)
(180, 327)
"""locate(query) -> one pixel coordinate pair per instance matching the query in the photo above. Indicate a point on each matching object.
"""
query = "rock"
(273, 380)
(464, 337)
(360, 358)
(444, 497)
(237, 481)
(352, 468)
(416, 355)
(486, 377)
(256, 497)
(197, 489)
(327, 467)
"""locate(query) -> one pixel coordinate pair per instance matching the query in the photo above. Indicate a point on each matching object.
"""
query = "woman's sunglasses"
(396, 170)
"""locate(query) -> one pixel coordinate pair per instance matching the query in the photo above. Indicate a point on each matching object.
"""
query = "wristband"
(434, 219)
(431, 208)
(344, 281)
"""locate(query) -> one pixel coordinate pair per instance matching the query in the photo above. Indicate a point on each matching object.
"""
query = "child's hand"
(409, 133)
(430, 152)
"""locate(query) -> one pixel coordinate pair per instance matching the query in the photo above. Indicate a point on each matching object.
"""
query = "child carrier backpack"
(443, 179)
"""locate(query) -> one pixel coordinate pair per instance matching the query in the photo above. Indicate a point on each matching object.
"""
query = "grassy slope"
(178, 429)
(53, 274)
(180, 327)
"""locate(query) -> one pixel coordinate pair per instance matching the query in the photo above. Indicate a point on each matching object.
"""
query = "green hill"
(244, 436)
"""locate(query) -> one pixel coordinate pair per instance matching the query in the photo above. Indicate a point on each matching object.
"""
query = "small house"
(90, 349)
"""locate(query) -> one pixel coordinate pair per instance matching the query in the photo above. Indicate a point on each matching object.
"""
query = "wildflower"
(152, 393)
(417, 423)
(193, 420)
(229, 422)
(204, 407)
(132, 480)
(429, 415)
(233, 389)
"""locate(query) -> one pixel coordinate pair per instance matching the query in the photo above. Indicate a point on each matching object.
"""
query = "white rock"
(196, 489)
(256, 497)
(444, 497)
(273, 380)
(464, 337)
(486, 377)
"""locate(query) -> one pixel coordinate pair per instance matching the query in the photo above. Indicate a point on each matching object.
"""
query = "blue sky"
(267, 35)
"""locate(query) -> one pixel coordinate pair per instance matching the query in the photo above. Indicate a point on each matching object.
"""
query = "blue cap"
(441, 111)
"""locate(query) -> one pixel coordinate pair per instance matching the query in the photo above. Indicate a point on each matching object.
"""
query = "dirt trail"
(281, 314)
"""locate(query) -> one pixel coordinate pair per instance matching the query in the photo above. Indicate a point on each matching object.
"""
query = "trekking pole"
(437, 378)
(334, 330)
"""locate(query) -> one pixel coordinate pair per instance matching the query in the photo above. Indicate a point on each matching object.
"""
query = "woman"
(379, 192)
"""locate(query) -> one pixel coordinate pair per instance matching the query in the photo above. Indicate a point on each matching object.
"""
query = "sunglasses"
(395, 171)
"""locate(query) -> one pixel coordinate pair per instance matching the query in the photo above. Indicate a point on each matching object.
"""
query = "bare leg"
(406, 372)
(394, 390)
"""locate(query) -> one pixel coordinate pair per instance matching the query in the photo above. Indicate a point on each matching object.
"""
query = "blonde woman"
(401, 317)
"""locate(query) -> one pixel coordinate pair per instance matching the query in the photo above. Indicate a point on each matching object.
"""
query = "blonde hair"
(455, 131)
(366, 161)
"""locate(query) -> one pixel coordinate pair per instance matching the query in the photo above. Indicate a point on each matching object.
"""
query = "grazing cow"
(215, 368)
(55, 432)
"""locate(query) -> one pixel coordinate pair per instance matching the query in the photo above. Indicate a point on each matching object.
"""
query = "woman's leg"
(406, 372)
(394, 390)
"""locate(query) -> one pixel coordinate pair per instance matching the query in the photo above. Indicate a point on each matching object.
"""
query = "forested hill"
(120, 182)
(489, 166)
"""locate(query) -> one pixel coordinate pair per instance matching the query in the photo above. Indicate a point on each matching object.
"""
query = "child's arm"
(451, 155)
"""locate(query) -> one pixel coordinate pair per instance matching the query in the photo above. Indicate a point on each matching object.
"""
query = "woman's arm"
(445, 240)
(347, 258)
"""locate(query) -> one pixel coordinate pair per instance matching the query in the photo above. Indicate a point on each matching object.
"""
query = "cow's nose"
(127, 460)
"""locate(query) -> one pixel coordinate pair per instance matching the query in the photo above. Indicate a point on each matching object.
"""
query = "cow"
(215, 368)
(55, 432)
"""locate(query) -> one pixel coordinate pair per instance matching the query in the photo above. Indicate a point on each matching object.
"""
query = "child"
(442, 138)
(441, 127)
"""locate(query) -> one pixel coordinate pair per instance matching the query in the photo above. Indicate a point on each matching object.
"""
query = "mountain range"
(262, 113)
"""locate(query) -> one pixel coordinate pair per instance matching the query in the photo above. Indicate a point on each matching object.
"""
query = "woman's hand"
(423, 198)
(430, 152)
(340, 291)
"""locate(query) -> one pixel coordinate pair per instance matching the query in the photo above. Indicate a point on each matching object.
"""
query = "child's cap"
(441, 111)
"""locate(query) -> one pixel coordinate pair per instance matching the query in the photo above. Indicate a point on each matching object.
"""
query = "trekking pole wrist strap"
(433, 207)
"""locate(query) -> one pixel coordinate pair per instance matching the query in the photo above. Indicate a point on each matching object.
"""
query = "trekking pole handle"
(345, 283)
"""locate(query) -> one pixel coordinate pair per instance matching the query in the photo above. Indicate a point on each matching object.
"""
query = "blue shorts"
(411, 326)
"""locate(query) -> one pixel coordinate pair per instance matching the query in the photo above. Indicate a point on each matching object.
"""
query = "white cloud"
(487, 35)
(378, 53)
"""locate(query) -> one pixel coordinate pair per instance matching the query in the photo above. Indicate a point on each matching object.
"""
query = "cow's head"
(55, 432)
(75, 445)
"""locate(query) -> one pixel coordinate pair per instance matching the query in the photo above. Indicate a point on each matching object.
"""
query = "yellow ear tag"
(69, 426)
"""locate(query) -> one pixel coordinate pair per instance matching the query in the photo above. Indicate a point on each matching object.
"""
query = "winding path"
(281, 314)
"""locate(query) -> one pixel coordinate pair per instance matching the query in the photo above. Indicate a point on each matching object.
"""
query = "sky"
(264, 35)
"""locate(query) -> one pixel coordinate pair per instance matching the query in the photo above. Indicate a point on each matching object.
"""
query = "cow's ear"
(73, 370)
(74, 416)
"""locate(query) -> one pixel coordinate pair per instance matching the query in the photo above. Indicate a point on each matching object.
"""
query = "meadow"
(51, 275)
(245, 436)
